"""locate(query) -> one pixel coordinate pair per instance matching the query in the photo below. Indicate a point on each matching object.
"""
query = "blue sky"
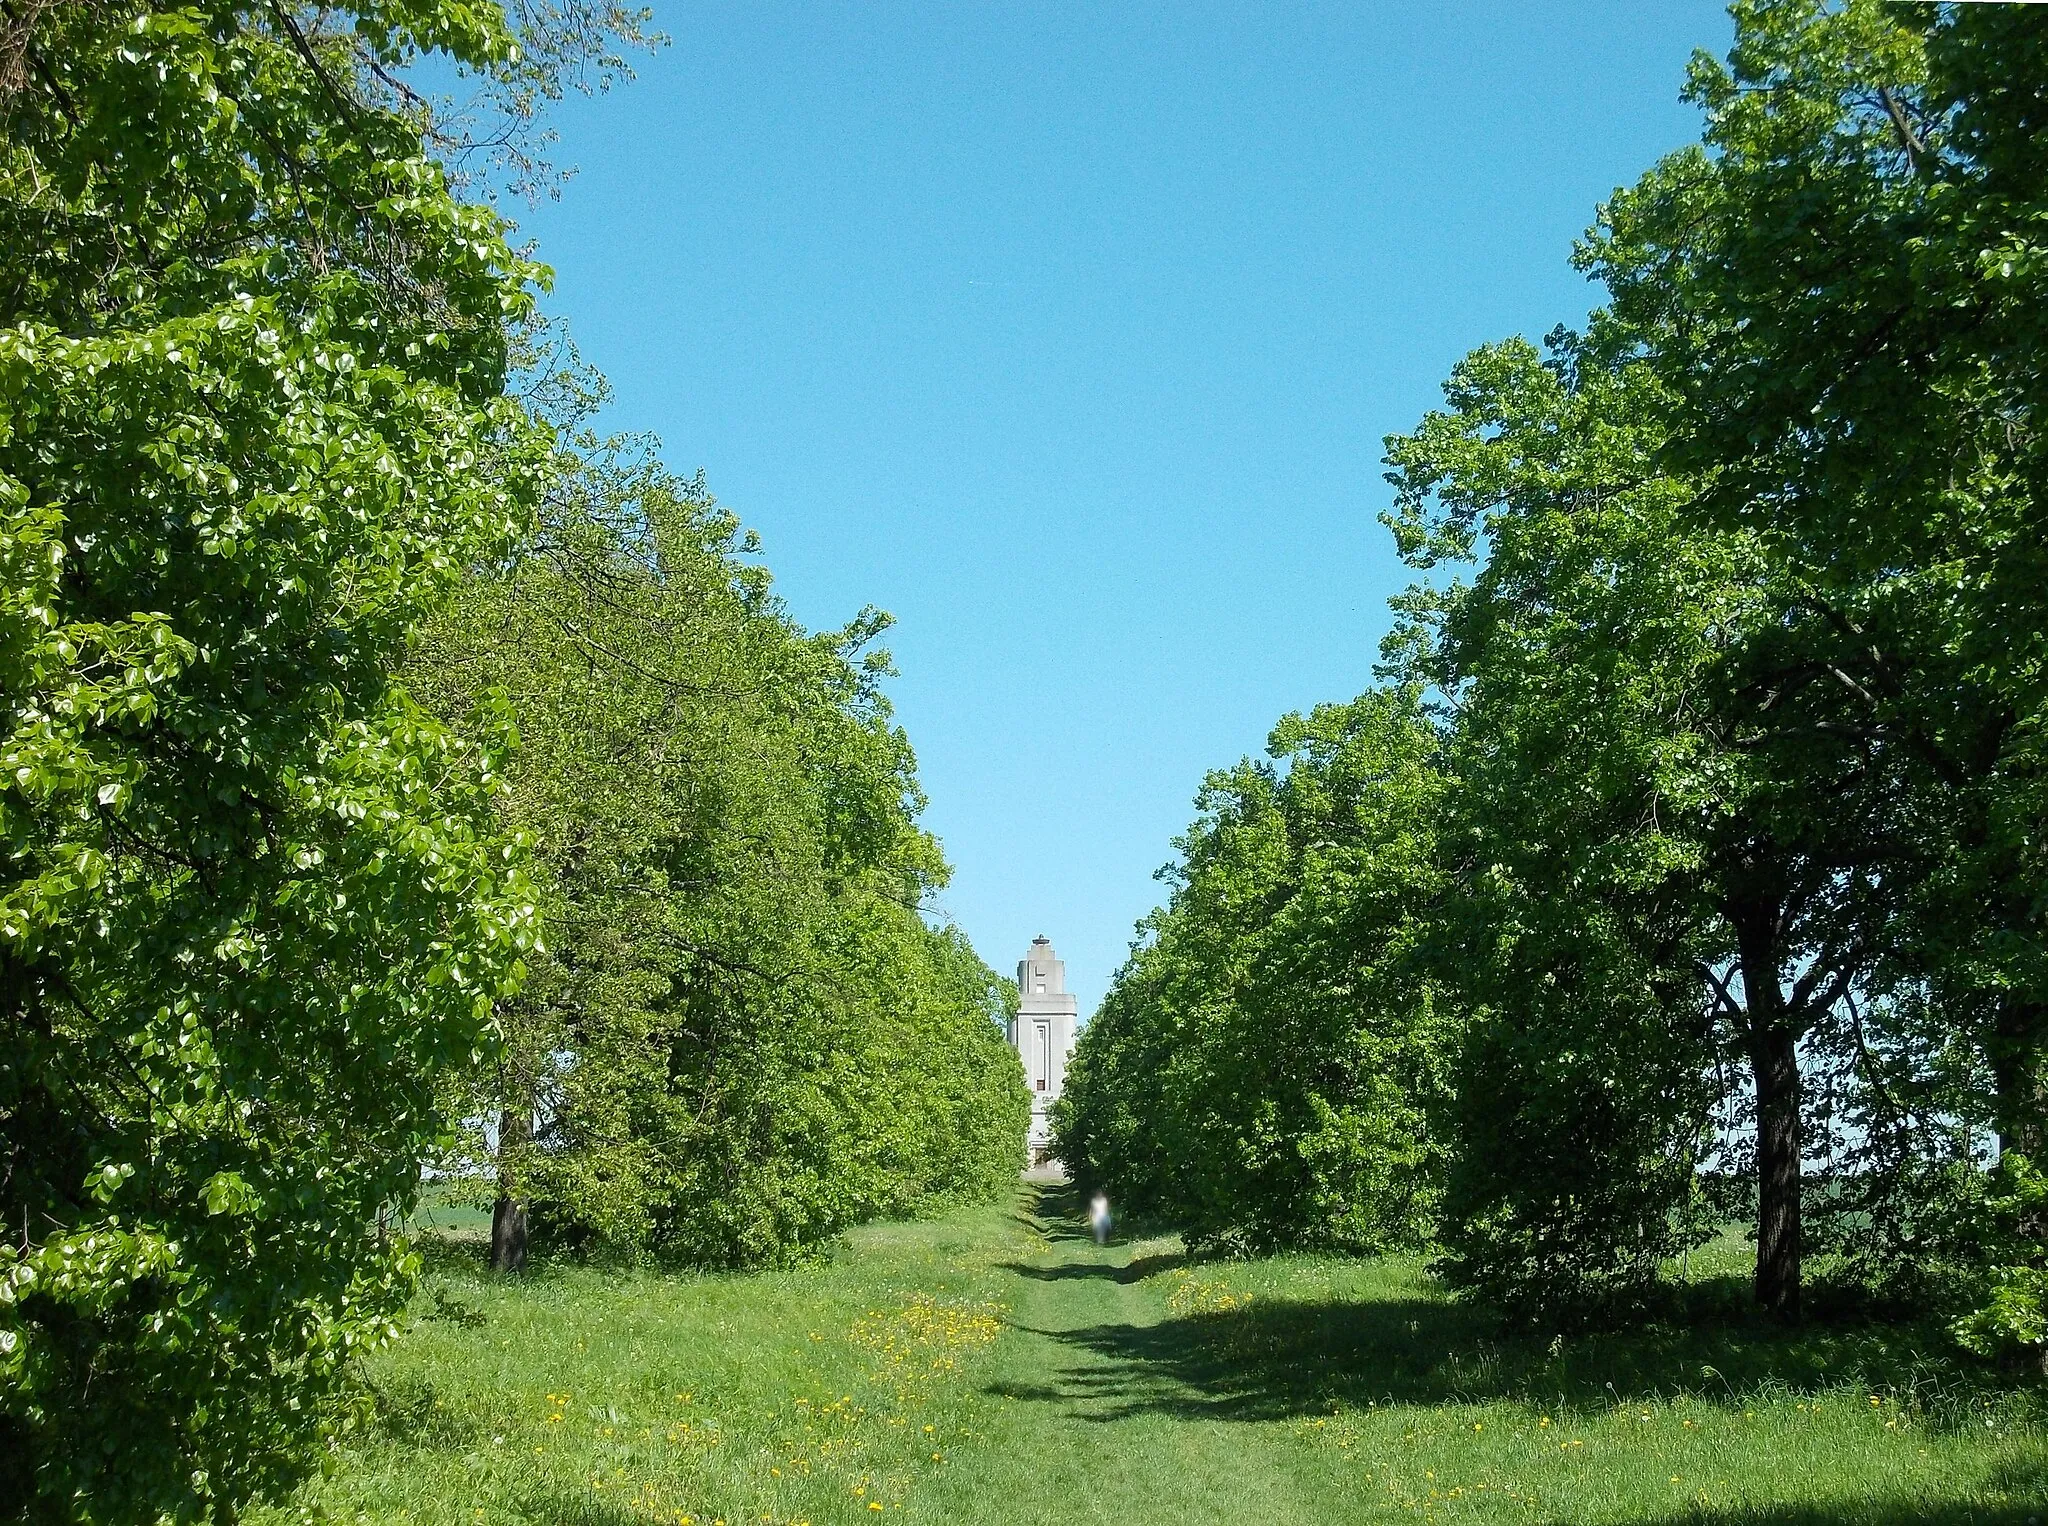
(1068, 334)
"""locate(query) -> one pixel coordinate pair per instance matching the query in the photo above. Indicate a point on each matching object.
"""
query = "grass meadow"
(997, 1366)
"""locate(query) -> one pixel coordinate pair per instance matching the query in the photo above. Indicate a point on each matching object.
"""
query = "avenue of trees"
(1689, 865)
(737, 1035)
(396, 778)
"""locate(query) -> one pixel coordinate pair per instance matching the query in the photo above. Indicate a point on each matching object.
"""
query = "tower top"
(1042, 974)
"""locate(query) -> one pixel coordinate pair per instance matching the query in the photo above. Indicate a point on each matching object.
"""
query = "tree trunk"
(508, 1218)
(2019, 1030)
(508, 1235)
(1775, 1056)
(1774, 1060)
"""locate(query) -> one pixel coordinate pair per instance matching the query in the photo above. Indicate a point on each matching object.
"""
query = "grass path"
(1104, 1435)
(996, 1366)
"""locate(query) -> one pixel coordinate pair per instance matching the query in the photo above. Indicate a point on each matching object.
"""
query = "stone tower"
(1043, 1033)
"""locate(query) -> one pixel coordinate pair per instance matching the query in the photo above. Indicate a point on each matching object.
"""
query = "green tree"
(1655, 880)
(253, 360)
(1846, 285)
(741, 1036)
(1264, 1067)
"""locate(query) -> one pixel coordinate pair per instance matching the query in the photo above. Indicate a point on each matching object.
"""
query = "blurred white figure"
(1098, 1218)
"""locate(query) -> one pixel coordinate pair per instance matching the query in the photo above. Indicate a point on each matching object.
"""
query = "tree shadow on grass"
(1274, 1359)
(411, 1412)
(1280, 1357)
(1055, 1210)
(1900, 1510)
(556, 1507)
(1135, 1270)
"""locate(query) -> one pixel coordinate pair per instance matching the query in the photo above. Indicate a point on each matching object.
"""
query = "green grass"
(996, 1366)
(448, 1211)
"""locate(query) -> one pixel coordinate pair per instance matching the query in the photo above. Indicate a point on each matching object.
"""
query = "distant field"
(996, 1366)
(448, 1210)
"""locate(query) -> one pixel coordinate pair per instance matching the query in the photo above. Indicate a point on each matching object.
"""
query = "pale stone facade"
(1043, 1033)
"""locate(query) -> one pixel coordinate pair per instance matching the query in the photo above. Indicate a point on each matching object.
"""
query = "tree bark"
(1774, 1061)
(508, 1217)
(2019, 1029)
(1774, 1054)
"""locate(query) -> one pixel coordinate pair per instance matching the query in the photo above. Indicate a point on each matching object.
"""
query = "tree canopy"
(1727, 649)
(1264, 1068)
(284, 475)
(740, 1035)
(253, 421)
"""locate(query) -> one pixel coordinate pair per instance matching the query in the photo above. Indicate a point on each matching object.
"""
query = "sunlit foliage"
(741, 1035)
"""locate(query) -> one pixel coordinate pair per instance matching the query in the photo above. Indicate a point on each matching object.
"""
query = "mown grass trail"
(997, 1367)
